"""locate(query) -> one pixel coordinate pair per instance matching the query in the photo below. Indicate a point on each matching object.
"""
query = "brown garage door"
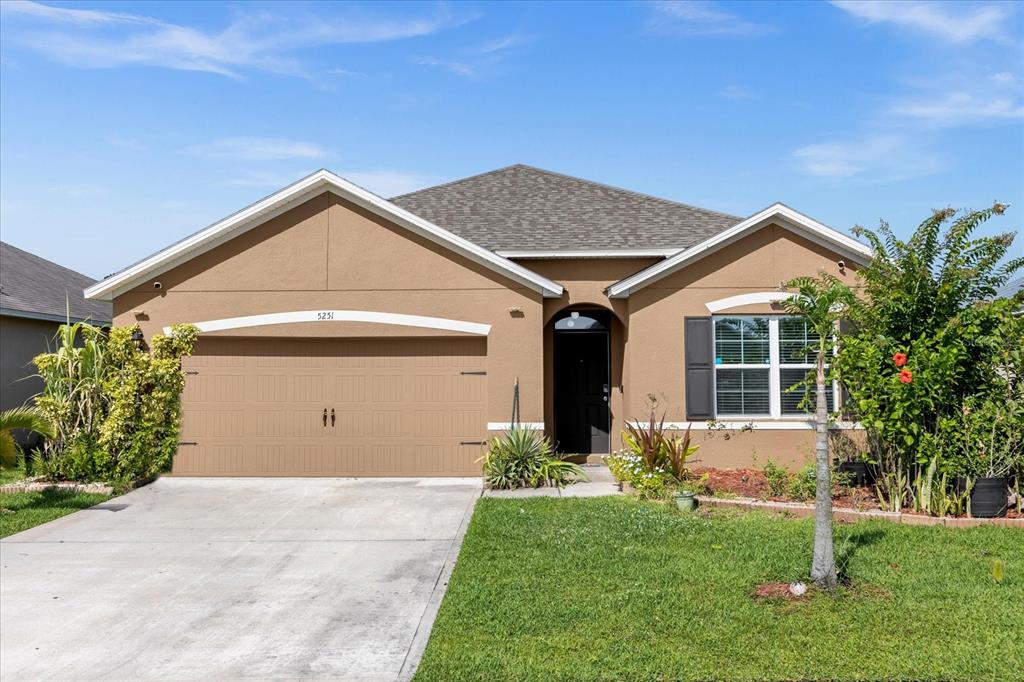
(368, 407)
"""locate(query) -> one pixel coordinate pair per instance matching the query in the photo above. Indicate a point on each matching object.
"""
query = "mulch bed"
(751, 483)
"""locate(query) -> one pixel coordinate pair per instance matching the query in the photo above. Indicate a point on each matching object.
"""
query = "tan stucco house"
(347, 334)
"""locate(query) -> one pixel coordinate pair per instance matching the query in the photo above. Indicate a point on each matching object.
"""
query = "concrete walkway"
(234, 579)
(599, 484)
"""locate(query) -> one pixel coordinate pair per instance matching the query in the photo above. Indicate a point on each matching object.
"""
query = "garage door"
(368, 407)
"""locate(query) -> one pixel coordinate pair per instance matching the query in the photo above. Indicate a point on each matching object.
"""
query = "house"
(346, 334)
(36, 296)
(1012, 288)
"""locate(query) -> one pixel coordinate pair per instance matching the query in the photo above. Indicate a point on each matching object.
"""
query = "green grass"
(613, 589)
(20, 511)
(11, 475)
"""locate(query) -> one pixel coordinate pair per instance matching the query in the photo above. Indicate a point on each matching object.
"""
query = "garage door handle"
(325, 416)
(471, 442)
(332, 417)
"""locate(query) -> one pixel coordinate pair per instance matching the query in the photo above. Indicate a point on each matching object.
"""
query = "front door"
(582, 382)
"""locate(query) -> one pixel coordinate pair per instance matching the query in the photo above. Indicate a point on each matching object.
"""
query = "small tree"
(821, 302)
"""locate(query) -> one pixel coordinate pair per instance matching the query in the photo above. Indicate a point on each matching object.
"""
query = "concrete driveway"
(234, 578)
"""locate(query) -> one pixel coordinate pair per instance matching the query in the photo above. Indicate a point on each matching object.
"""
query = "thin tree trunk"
(823, 566)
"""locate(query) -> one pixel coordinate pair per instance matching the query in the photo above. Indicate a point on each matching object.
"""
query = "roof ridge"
(460, 180)
(616, 188)
(574, 178)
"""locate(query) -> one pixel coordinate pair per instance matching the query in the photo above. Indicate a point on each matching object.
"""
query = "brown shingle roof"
(35, 287)
(521, 207)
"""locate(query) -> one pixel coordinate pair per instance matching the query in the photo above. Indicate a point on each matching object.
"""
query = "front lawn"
(614, 589)
(21, 511)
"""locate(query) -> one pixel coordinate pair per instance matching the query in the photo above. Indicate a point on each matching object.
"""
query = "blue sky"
(125, 126)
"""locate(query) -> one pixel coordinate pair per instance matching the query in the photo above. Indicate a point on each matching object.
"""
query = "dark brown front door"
(582, 383)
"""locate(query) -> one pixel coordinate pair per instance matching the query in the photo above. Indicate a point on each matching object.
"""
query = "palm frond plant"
(20, 418)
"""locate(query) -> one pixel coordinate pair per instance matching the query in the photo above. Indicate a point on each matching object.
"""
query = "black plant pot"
(988, 498)
(859, 473)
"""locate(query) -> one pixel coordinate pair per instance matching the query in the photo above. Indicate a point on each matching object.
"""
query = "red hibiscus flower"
(900, 359)
(906, 377)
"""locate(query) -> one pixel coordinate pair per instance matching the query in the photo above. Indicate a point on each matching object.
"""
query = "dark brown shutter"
(700, 363)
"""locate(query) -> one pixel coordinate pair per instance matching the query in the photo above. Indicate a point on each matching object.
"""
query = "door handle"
(325, 416)
(332, 417)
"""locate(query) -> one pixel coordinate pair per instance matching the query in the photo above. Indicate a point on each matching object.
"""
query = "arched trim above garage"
(329, 316)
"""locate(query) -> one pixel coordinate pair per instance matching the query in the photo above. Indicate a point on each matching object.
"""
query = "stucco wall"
(759, 262)
(21, 339)
(330, 254)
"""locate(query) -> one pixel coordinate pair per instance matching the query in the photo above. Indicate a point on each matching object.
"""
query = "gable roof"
(293, 195)
(521, 208)
(778, 214)
(34, 287)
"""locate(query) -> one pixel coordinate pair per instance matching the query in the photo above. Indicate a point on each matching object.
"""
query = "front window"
(757, 359)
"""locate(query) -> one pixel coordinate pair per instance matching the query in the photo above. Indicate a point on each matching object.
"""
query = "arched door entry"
(582, 381)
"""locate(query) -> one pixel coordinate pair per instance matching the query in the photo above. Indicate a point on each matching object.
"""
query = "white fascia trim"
(585, 253)
(778, 213)
(746, 299)
(280, 201)
(328, 316)
(507, 426)
(780, 425)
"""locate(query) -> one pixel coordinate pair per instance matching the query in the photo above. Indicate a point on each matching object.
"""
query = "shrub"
(653, 462)
(777, 479)
(524, 458)
(930, 339)
(116, 408)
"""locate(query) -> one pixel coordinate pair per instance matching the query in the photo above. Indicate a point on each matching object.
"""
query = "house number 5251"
(325, 315)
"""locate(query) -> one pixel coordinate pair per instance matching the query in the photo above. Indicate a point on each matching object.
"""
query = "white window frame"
(774, 368)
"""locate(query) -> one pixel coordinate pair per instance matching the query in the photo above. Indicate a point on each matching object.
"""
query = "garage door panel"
(401, 407)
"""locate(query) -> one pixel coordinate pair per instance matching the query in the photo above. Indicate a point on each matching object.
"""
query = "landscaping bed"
(754, 484)
(617, 589)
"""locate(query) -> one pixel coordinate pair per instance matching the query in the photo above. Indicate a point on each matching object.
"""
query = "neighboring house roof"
(1011, 288)
(778, 214)
(34, 287)
(521, 208)
(293, 195)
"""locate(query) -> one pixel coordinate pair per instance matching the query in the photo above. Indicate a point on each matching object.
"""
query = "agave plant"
(27, 418)
(525, 458)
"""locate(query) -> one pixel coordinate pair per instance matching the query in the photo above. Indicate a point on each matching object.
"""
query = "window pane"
(742, 391)
(797, 341)
(791, 399)
(741, 340)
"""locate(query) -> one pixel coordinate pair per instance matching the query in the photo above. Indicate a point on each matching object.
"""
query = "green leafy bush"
(930, 346)
(777, 479)
(524, 458)
(116, 408)
(653, 462)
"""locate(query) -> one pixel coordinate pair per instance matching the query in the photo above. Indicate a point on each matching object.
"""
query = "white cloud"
(886, 157)
(458, 68)
(701, 17)
(959, 108)
(390, 183)
(257, 149)
(952, 22)
(509, 41)
(258, 41)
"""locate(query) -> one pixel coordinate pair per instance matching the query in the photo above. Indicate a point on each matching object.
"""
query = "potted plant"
(993, 447)
(686, 500)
